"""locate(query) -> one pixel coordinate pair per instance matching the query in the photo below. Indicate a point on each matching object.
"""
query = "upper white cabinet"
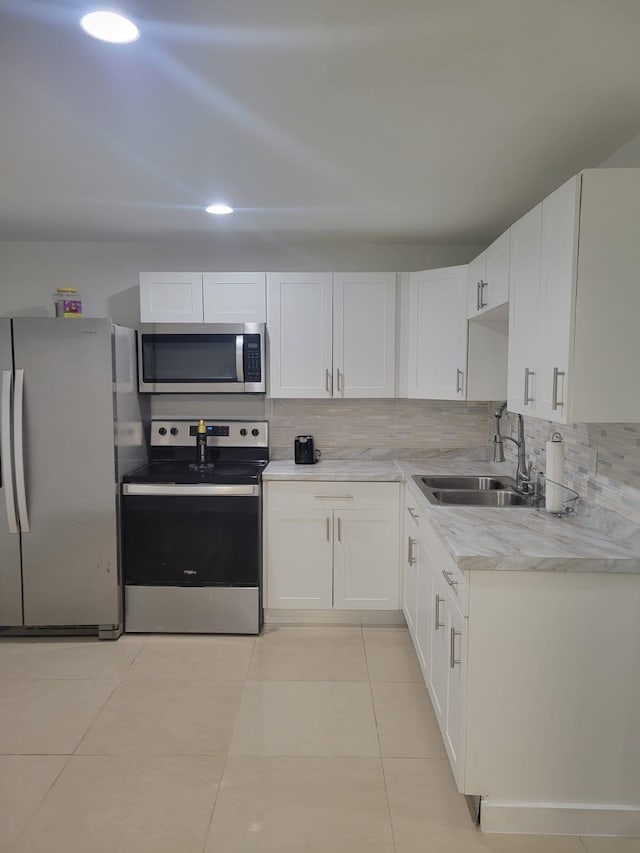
(448, 358)
(195, 297)
(331, 335)
(488, 278)
(234, 297)
(171, 297)
(438, 334)
(575, 302)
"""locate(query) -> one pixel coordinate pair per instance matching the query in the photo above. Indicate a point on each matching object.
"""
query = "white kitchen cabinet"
(364, 334)
(364, 553)
(170, 297)
(234, 297)
(573, 341)
(195, 297)
(526, 235)
(488, 278)
(438, 334)
(300, 554)
(331, 335)
(442, 355)
(299, 325)
(332, 545)
(410, 570)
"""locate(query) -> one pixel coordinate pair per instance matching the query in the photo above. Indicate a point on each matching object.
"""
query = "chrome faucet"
(523, 471)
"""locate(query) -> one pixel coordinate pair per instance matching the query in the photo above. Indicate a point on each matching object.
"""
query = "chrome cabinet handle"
(5, 452)
(554, 401)
(459, 381)
(333, 497)
(478, 297)
(340, 379)
(452, 648)
(411, 557)
(339, 530)
(483, 284)
(448, 576)
(412, 512)
(328, 530)
(439, 601)
(527, 374)
(328, 382)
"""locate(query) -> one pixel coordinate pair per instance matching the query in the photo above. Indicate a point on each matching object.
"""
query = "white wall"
(106, 274)
(628, 156)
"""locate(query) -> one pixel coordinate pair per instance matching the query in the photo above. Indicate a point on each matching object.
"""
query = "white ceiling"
(412, 120)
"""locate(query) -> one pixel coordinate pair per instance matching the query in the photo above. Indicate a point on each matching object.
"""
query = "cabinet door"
(171, 297)
(299, 321)
(410, 579)
(439, 648)
(234, 297)
(476, 275)
(365, 566)
(496, 289)
(438, 334)
(453, 730)
(524, 285)
(424, 609)
(298, 559)
(558, 274)
(364, 334)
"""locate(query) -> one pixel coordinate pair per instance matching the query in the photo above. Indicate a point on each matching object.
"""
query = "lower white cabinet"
(536, 694)
(332, 545)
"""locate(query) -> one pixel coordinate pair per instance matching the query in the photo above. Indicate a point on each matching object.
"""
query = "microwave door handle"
(240, 358)
(5, 451)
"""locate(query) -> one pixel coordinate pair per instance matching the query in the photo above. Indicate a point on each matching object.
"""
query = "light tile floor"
(303, 740)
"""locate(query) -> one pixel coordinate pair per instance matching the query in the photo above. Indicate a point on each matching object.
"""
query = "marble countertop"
(491, 538)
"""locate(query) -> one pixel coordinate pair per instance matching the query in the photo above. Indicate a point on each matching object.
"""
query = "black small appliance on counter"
(304, 450)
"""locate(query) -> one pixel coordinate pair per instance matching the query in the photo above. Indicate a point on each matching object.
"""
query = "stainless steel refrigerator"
(70, 428)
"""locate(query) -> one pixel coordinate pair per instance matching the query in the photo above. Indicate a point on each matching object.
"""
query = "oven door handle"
(188, 490)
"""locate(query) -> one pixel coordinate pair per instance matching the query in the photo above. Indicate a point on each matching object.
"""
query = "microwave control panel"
(252, 370)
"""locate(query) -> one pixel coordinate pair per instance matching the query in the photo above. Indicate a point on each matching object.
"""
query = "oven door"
(191, 535)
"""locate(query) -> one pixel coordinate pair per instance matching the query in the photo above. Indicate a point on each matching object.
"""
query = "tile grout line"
(375, 720)
(100, 710)
(47, 792)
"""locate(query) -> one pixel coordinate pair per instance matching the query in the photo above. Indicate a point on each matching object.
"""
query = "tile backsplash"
(602, 461)
(377, 429)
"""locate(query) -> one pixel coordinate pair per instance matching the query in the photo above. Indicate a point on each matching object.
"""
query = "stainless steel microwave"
(201, 358)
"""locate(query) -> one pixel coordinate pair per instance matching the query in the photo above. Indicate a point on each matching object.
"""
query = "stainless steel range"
(192, 530)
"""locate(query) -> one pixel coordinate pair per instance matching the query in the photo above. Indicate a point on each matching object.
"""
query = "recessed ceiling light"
(110, 26)
(219, 209)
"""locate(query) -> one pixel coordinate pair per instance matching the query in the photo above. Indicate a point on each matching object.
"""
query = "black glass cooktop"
(185, 472)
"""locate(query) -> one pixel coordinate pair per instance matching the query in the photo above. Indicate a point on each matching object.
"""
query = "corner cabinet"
(575, 302)
(331, 545)
(331, 334)
(488, 278)
(210, 297)
(448, 357)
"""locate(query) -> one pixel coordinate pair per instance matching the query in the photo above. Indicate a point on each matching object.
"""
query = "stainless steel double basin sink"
(471, 491)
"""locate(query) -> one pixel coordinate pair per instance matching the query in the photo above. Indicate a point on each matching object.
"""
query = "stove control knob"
(162, 431)
(243, 431)
(174, 430)
(255, 432)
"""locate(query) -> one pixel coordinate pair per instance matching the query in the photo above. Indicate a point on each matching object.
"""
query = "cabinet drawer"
(319, 494)
(445, 566)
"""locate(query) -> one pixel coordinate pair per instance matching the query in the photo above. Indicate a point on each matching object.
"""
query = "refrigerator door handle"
(5, 451)
(18, 443)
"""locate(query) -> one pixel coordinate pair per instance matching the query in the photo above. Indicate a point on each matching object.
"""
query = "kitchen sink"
(486, 497)
(453, 482)
(471, 491)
